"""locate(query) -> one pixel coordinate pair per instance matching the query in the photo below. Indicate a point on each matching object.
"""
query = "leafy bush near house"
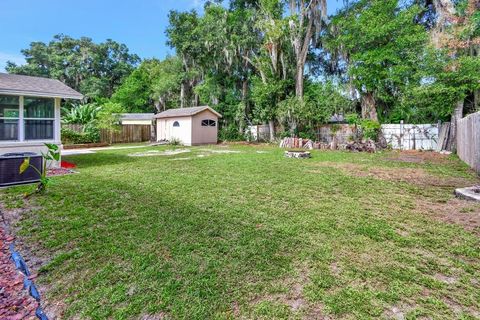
(90, 135)
(82, 114)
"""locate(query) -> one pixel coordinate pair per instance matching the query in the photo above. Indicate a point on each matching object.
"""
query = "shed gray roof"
(184, 112)
(136, 116)
(36, 86)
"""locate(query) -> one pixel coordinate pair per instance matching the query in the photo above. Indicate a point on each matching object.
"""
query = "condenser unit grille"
(10, 169)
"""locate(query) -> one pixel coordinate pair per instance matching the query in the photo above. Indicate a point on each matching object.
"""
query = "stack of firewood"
(296, 143)
(356, 146)
(362, 146)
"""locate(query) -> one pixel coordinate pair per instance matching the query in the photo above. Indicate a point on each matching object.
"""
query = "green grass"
(249, 235)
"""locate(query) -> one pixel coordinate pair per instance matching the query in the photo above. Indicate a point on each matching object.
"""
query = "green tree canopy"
(95, 70)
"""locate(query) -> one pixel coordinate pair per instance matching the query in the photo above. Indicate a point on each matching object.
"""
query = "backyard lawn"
(236, 231)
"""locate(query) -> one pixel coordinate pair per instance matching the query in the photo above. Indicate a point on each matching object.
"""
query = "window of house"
(209, 123)
(176, 124)
(9, 117)
(39, 118)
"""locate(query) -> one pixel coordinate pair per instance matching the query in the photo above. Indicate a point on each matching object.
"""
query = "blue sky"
(139, 24)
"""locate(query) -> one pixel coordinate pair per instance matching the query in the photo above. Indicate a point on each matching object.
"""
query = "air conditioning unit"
(10, 168)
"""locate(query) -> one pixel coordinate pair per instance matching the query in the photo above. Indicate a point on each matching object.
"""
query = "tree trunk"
(457, 115)
(182, 95)
(160, 105)
(271, 126)
(241, 121)
(196, 100)
(299, 80)
(245, 91)
(476, 100)
(369, 109)
(153, 130)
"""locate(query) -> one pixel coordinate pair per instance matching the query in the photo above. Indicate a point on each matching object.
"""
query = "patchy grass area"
(211, 233)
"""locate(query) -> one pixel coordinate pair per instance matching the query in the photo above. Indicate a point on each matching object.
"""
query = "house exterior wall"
(201, 134)
(37, 146)
(166, 130)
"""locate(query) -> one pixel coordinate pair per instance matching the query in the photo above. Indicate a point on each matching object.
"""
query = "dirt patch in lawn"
(59, 172)
(154, 153)
(293, 296)
(219, 151)
(456, 211)
(415, 156)
(417, 176)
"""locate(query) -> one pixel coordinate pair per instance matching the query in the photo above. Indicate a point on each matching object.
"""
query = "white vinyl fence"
(411, 136)
(259, 132)
(399, 136)
(468, 140)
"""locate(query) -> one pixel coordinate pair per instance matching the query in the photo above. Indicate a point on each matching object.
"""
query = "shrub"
(307, 133)
(70, 136)
(175, 142)
(352, 119)
(230, 133)
(370, 129)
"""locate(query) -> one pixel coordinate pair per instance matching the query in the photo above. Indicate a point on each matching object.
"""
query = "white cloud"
(197, 4)
(4, 57)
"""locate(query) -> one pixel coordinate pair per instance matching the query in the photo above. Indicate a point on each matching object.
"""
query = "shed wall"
(201, 134)
(166, 130)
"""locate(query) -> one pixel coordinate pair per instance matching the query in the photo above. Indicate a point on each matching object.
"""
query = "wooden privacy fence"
(127, 133)
(468, 140)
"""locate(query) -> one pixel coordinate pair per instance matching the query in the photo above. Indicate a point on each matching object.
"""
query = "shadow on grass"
(98, 159)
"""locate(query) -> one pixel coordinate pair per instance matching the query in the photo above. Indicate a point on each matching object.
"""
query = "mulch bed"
(15, 302)
(59, 172)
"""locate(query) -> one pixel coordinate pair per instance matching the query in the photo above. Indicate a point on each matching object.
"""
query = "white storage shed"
(191, 126)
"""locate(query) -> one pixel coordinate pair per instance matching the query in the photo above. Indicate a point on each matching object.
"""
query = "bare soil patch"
(294, 297)
(153, 153)
(59, 172)
(456, 211)
(417, 176)
(415, 156)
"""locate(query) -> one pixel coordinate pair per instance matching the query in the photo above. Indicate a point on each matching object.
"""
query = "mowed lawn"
(249, 234)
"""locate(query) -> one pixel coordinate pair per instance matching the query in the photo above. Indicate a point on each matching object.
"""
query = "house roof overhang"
(185, 112)
(20, 85)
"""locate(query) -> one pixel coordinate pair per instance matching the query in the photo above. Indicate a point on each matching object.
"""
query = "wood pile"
(362, 146)
(444, 143)
(298, 154)
(356, 146)
(296, 143)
